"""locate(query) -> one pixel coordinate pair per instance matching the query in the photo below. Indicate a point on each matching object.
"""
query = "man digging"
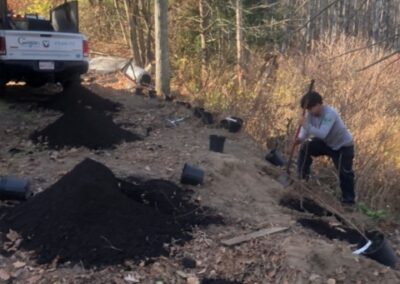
(323, 133)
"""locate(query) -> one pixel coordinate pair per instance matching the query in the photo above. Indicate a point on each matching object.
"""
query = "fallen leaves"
(19, 264)
(313, 277)
(182, 274)
(12, 235)
(193, 280)
(34, 279)
(131, 278)
(4, 275)
(14, 241)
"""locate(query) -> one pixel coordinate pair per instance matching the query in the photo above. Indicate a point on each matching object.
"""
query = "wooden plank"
(254, 235)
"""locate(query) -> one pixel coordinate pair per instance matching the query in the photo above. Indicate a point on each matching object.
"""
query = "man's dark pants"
(342, 158)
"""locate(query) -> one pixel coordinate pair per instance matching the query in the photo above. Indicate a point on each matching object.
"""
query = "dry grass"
(368, 102)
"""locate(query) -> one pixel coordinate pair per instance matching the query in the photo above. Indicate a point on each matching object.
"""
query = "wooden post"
(162, 53)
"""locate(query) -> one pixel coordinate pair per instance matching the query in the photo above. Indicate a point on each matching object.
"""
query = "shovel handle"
(293, 147)
(297, 134)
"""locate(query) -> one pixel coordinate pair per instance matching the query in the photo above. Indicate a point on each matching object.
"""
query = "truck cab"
(39, 51)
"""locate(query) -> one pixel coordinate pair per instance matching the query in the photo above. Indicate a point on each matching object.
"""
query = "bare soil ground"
(239, 185)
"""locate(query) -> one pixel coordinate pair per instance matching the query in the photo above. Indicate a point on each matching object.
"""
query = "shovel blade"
(285, 180)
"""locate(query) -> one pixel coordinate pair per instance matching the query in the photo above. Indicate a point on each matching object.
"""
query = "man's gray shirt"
(328, 127)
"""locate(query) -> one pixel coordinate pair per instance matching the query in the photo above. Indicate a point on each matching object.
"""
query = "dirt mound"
(77, 95)
(163, 196)
(83, 127)
(85, 217)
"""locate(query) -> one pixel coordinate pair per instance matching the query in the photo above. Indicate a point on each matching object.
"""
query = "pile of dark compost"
(81, 127)
(78, 95)
(86, 218)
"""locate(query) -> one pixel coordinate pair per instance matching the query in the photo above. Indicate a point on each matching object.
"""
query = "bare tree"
(147, 29)
(121, 21)
(239, 42)
(137, 21)
(161, 44)
(203, 41)
(130, 13)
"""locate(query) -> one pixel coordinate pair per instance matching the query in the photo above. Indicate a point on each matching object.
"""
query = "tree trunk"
(121, 22)
(148, 22)
(133, 33)
(239, 43)
(137, 19)
(309, 37)
(161, 44)
(356, 17)
(203, 41)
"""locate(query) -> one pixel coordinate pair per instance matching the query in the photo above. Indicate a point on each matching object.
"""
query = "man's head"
(312, 101)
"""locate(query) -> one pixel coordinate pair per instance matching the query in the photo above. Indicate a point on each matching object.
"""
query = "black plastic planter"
(275, 158)
(207, 118)
(224, 124)
(381, 250)
(192, 175)
(232, 123)
(12, 188)
(217, 143)
(198, 112)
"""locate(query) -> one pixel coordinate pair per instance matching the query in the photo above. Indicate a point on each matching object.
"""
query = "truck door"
(65, 18)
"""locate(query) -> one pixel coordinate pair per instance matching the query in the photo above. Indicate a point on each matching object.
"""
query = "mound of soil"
(323, 228)
(167, 198)
(81, 127)
(86, 218)
(77, 95)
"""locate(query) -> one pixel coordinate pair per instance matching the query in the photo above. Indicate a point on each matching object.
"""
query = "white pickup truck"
(39, 51)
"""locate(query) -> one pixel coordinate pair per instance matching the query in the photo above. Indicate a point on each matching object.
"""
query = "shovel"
(285, 179)
(175, 122)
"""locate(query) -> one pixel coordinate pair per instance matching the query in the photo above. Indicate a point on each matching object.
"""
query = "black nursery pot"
(12, 188)
(192, 175)
(380, 250)
(198, 112)
(207, 118)
(217, 143)
(275, 158)
(234, 124)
